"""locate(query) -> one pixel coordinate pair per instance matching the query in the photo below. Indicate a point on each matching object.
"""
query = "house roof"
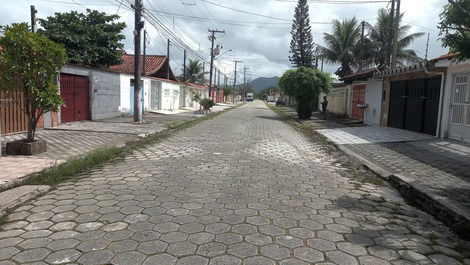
(359, 74)
(166, 80)
(153, 63)
(447, 56)
(197, 86)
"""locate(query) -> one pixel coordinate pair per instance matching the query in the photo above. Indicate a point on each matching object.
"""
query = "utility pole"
(395, 37)
(362, 46)
(33, 18)
(212, 39)
(244, 83)
(168, 60)
(203, 72)
(235, 77)
(139, 24)
(427, 48)
(145, 53)
(184, 67)
(390, 33)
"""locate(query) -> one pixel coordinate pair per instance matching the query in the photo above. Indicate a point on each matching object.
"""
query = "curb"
(454, 217)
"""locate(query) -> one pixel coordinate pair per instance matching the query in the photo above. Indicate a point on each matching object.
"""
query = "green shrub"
(207, 104)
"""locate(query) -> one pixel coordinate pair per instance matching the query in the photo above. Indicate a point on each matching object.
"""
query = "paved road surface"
(244, 188)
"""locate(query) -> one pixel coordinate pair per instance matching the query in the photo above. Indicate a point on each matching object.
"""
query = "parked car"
(270, 99)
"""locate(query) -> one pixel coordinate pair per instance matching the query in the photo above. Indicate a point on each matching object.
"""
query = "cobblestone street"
(243, 188)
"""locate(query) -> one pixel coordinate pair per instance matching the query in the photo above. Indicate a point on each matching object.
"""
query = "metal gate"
(414, 105)
(182, 96)
(75, 91)
(459, 127)
(359, 99)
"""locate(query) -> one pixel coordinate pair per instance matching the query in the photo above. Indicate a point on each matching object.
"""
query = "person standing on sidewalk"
(324, 106)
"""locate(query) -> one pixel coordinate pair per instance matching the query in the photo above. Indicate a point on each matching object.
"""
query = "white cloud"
(256, 45)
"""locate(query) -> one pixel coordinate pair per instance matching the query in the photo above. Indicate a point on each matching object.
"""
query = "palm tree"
(342, 45)
(194, 72)
(380, 36)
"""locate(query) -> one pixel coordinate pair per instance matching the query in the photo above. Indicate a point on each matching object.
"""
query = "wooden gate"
(359, 98)
(74, 90)
(12, 116)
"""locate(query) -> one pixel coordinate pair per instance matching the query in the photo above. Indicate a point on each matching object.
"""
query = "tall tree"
(379, 35)
(342, 46)
(455, 28)
(301, 45)
(194, 72)
(93, 38)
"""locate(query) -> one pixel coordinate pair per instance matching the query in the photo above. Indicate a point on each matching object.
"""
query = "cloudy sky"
(257, 31)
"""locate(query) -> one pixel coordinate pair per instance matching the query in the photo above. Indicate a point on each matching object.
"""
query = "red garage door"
(359, 98)
(74, 90)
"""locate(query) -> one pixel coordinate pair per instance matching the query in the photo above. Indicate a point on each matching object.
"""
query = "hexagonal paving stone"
(352, 248)
(228, 238)
(217, 228)
(193, 260)
(173, 237)
(32, 255)
(211, 249)
(225, 260)
(341, 258)
(152, 247)
(275, 252)
(6, 253)
(165, 259)
(191, 228)
(182, 249)
(258, 261)
(63, 244)
(96, 257)
(93, 245)
(201, 238)
(123, 245)
(63, 256)
(258, 239)
(308, 254)
(166, 227)
(128, 258)
(243, 250)
(293, 262)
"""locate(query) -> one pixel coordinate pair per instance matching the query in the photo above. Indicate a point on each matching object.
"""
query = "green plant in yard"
(93, 38)
(207, 104)
(455, 28)
(305, 84)
(31, 62)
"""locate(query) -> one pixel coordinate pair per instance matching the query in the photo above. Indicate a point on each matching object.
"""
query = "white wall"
(170, 96)
(374, 101)
(126, 93)
(453, 68)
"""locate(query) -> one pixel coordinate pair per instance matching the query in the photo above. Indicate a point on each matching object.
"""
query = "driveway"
(242, 188)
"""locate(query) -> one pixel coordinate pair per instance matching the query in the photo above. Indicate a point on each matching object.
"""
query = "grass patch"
(357, 173)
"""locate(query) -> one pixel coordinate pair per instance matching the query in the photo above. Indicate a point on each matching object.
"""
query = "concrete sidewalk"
(74, 139)
(433, 173)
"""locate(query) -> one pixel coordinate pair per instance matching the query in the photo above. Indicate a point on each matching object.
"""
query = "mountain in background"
(261, 83)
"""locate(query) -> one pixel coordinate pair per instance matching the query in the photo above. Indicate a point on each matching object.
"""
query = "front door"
(74, 90)
(459, 127)
(359, 99)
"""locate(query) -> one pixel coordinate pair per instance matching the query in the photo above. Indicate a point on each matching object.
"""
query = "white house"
(160, 90)
(455, 122)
